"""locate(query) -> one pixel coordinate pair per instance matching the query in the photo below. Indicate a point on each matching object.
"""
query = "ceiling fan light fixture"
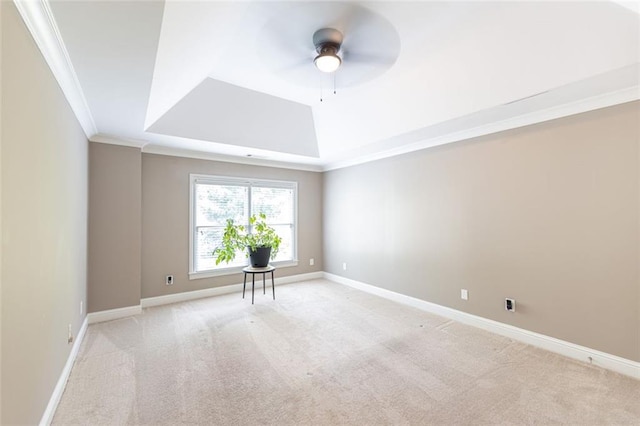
(327, 42)
(327, 61)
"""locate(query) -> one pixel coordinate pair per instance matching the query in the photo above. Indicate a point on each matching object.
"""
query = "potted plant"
(262, 243)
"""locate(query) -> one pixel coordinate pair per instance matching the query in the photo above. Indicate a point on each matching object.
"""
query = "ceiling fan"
(351, 40)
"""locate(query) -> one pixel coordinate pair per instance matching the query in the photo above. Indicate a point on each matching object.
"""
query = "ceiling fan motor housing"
(327, 40)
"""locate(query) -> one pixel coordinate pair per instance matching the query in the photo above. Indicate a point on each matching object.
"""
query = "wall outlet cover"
(510, 305)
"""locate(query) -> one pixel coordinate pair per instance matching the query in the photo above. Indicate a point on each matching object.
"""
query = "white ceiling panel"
(216, 111)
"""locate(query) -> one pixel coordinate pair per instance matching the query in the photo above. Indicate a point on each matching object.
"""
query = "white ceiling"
(231, 79)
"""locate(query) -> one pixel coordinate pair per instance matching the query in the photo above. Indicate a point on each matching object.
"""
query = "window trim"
(250, 182)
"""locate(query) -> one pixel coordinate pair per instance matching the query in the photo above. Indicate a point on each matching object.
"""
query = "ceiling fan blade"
(285, 40)
(350, 18)
(377, 58)
(286, 36)
(294, 65)
(281, 52)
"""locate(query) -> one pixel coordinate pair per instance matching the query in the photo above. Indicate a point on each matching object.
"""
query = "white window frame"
(249, 182)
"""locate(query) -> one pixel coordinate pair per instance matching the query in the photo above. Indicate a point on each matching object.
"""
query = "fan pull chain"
(322, 86)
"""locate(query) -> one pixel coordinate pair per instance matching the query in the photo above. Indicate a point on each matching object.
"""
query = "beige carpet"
(326, 354)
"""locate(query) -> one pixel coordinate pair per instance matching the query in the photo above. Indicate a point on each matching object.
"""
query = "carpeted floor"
(325, 354)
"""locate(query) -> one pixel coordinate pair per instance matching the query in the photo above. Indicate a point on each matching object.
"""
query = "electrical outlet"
(168, 280)
(464, 294)
(312, 262)
(510, 305)
(344, 266)
(70, 335)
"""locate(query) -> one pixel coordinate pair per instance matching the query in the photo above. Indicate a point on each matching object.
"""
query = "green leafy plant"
(238, 237)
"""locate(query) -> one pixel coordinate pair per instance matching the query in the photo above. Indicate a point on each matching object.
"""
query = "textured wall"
(44, 225)
(165, 220)
(115, 226)
(547, 214)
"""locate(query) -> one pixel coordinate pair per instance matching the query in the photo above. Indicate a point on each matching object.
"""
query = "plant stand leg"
(253, 286)
(273, 286)
(244, 284)
(263, 286)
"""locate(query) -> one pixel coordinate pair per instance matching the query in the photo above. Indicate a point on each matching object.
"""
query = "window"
(215, 199)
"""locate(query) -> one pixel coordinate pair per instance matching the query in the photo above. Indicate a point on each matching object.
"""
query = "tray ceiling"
(232, 79)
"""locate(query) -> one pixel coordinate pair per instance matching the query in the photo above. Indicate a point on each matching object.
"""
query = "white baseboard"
(49, 412)
(217, 291)
(147, 302)
(300, 277)
(113, 314)
(562, 347)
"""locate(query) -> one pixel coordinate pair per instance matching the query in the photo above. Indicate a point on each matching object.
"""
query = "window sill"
(237, 270)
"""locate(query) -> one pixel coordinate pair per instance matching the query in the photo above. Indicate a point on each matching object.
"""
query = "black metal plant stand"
(253, 271)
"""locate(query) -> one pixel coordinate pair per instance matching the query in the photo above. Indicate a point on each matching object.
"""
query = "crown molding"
(115, 140)
(150, 148)
(572, 108)
(40, 22)
(201, 155)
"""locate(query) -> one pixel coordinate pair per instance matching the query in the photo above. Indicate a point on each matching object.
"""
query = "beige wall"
(547, 214)
(165, 220)
(114, 267)
(44, 225)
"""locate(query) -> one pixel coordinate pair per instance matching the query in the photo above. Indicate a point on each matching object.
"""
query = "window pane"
(276, 203)
(217, 203)
(207, 239)
(286, 246)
